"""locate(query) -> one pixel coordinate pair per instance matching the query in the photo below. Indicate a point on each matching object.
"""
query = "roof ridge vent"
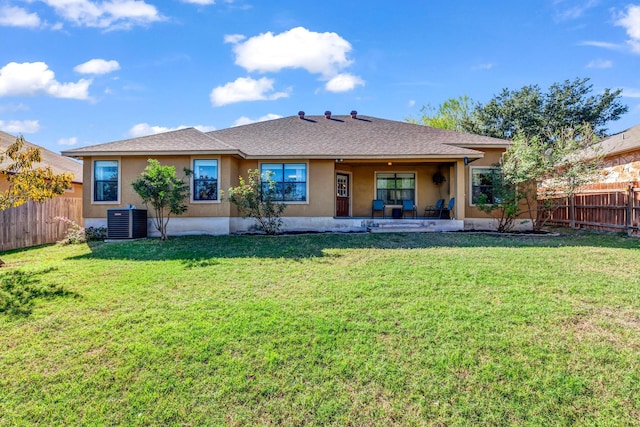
(301, 114)
(327, 114)
(354, 114)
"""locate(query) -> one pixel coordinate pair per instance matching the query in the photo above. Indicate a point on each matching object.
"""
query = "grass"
(381, 329)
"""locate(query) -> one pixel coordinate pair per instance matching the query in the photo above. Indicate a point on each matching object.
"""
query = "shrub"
(255, 198)
(95, 233)
(74, 235)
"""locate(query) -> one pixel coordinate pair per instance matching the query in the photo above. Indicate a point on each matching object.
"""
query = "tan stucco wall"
(491, 158)
(320, 186)
(364, 184)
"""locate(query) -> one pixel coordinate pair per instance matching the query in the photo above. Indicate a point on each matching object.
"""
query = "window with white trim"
(482, 180)
(290, 181)
(205, 179)
(105, 181)
(393, 188)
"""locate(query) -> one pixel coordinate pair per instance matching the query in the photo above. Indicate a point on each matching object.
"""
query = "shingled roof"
(625, 141)
(347, 137)
(309, 137)
(183, 141)
(59, 164)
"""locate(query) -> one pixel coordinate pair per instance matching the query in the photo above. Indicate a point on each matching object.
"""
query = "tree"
(26, 181)
(451, 114)
(537, 173)
(159, 187)
(531, 113)
(255, 198)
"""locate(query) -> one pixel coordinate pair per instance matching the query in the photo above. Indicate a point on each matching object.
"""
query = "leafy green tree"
(159, 186)
(534, 173)
(26, 181)
(530, 112)
(255, 198)
(505, 201)
(451, 114)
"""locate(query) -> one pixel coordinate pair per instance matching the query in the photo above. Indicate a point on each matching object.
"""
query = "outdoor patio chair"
(434, 212)
(408, 206)
(446, 212)
(378, 206)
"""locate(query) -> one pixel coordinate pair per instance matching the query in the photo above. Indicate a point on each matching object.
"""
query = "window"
(105, 181)
(482, 184)
(205, 179)
(393, 188)
(290, 181)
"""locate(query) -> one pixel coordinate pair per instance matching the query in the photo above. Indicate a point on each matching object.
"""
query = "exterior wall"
(363, 186)
(491, 157)
(621, 168)
(320, 177)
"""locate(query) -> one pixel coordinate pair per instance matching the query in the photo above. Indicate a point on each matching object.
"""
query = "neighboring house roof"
(623, 142)
(309, 137)
(58, 163)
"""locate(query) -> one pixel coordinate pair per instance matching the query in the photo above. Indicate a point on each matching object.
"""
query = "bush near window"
(256, 198)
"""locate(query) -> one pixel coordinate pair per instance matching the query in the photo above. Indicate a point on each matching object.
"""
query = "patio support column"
(459, 188)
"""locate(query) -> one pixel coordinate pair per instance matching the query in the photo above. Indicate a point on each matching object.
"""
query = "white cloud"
(13, 107)
(343, 83)
(411, 103)
(111, 14)
(566, 13)
(600, 63)
(20, 126)
(244, 120)
(245, 89)
(318, 53)
(144, 129)
(33, 78)
(631, 22)
(11, 16)
(97, 66)
(604, 45)
(200, 2)
(629, 92)
(486, 66)
(68, 141)
(233, 38)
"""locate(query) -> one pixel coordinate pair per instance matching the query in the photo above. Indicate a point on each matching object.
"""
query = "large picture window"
(290, 181)
(482, 180)
(205, 179)
(105, 181)
(393, 188)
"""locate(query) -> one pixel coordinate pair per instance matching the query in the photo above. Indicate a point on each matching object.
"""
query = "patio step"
(414, 226)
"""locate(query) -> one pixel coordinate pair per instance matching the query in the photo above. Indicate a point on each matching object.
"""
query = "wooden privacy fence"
(33, 223)
(613, 207)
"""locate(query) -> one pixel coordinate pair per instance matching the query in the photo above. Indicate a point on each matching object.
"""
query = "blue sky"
(81, 72)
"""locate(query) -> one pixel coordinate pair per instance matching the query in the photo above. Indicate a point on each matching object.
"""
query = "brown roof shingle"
(317, 136)
(312, 137)
(188, 140)
(628, 140)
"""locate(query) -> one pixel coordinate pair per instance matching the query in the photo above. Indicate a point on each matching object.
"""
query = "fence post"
(629, 210)
(572, 211)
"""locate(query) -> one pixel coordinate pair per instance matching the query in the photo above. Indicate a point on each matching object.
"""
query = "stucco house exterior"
(328, 170)
(59, 164)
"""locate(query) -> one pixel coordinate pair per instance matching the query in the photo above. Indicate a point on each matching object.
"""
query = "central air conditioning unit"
(126, 223)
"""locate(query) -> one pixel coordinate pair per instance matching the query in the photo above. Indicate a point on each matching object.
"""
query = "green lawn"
(355, 329)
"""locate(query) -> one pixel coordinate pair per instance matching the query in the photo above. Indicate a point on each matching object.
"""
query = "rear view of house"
(328, 170)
